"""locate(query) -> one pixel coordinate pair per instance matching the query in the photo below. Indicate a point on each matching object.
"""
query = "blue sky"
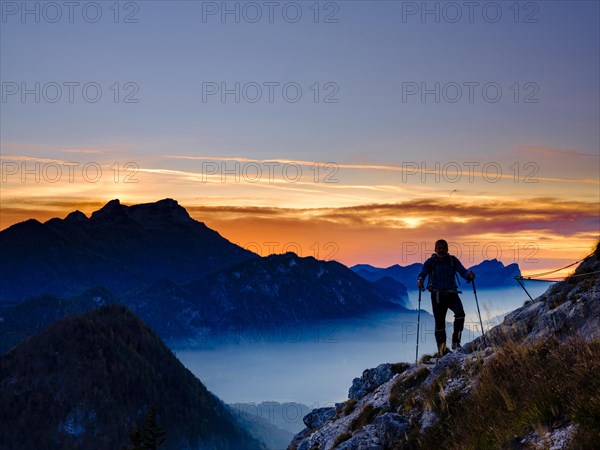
(364, 61)
(369, 53)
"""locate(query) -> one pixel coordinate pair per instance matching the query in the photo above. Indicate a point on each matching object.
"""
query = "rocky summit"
(533, 383)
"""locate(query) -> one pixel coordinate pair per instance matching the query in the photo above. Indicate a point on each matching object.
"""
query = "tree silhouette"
(150, 436)
(135, 438)
(153, 435)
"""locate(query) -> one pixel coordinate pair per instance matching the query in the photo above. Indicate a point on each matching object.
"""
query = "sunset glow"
(375, 176)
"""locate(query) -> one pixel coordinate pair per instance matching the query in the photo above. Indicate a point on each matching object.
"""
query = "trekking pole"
(418, 324)
(478, 311)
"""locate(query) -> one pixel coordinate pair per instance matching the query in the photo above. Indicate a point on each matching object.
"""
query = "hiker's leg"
(456, 307)
(440, 309)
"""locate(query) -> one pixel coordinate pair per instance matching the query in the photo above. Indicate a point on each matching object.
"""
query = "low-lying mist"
(315, 363)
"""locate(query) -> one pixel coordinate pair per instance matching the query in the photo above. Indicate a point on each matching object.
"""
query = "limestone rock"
(317, 417)
(370, 379)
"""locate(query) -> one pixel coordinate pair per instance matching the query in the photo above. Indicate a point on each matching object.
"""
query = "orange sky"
(381, 215)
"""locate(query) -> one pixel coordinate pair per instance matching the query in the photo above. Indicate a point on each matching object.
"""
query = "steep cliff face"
(536, 384)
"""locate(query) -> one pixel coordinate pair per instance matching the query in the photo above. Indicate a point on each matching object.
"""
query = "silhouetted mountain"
(490, 273)
(119, 247)
(183, 279)
(88, 381)
(287, 416)
(404, 275)
(283, 289)
(271, 436)
(168, 309)
(393, 288)
(365, 267)
(30, 317)
(277, 290)
(258, 421)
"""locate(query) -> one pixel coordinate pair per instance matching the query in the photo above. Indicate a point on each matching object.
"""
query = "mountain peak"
(491, 264)
(76, 216)
(168, 203)
(112, 205)
(31, 224)
(112, 210)
(163, 212)
(118, 246)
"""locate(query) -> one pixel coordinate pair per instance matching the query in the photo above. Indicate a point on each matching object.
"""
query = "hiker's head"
(441, 247)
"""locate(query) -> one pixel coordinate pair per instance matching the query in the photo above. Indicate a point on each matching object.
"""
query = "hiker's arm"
(466, 274)
(424, 272)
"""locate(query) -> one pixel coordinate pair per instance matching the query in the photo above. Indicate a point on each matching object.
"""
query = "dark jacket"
(442, 272)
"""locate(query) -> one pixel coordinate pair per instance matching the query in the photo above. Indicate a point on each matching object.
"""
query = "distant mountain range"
(273, 423)
(492, 273)
(274, 291)
(287, 416)
(182, 278)
(489, 273)
(282, 289)
(88, 381)
(407, 275)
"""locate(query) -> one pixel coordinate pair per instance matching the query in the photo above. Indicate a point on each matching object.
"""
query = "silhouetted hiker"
(441, 268)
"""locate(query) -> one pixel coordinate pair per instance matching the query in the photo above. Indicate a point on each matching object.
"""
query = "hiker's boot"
(456, 341)
(442, 350)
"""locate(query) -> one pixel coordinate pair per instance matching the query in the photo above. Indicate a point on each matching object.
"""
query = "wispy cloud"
(87, 151)
(555, 152)
(411, 168)
(502, 217)
(35, 159)
(275, 182)
(21, 146)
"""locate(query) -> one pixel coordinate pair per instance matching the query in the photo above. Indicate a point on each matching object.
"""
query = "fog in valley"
(315, 364)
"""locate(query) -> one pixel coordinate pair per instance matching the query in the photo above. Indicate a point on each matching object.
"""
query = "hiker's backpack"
(434, 261)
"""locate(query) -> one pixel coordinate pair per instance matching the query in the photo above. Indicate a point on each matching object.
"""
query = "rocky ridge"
(397, 406)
